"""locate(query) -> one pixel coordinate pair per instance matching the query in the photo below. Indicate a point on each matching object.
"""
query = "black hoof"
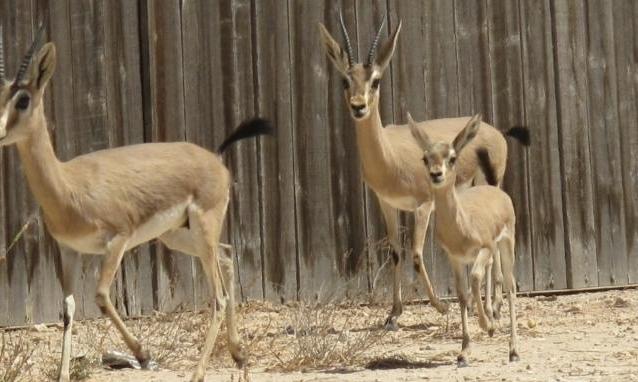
(490, 332)
(461, 361)
(514, 356)
(391, 324)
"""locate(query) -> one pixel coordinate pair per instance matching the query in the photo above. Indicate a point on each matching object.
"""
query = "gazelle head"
(440, 157)
(21, 97)
(360, 80)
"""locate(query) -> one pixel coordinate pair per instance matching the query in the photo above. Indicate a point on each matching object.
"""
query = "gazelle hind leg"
(497, 276)
(507, 258)
(234, 342)
(478, 272)
(206, 230)
(70, 262)
(488, 289)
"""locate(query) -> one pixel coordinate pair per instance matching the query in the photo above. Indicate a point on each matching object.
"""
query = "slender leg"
(461, 289)
(70, 262)
(488, 289)
(507, 258)
(478, 271)
(390, 216)
(497, 276)
(110, 264)
(234, 342)
(208, 227)
(421, 220)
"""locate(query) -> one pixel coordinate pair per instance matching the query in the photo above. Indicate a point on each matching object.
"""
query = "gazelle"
(472, 225)
(390, 157)
(109, 201)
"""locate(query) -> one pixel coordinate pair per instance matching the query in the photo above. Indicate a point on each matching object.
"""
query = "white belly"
(404, 203)
(97, 243)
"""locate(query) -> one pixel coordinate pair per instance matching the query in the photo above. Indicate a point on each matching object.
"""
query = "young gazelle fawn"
(473, 224)
(109, 201)
(390, 159)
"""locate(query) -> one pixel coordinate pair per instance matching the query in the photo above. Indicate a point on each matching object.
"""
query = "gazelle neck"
(41, 167)
(375, 152)
(448, 210)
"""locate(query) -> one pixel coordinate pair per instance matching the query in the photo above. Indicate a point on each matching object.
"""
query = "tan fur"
(472, 224)
(391, 160)
(109, 201)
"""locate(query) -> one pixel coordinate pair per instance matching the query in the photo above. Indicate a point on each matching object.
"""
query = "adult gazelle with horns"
(390, 158)
(109, 201)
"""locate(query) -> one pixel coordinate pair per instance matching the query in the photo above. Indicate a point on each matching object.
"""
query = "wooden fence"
(302, 223)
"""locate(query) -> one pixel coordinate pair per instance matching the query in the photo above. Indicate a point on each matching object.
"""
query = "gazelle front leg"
(461, 289)
(392, 228)
(111, 263)
(421, 220)
(70, 262)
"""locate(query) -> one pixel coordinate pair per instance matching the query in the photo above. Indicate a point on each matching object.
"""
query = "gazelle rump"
(473, 225)
(109, 201)
(390, 158)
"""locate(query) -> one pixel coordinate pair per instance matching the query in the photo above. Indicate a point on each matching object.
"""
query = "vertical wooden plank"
(273, 94)
(605, 146)
(126, 126)
(238, 87)
(18, 201)
(546, 204)
(509, 110)
(472, 57)
(173, 272)
(625, 23)
(315, 220)
(569, 60)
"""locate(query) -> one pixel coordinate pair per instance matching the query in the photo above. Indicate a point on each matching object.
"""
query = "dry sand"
(584, 337)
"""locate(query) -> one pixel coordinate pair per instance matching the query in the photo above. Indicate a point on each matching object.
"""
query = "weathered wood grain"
(277, 180)
(543, 172)
(604, 134)
(570, 60)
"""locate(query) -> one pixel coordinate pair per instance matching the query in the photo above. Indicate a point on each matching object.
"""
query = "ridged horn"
(27, 58)
(345, 37)
(373, 48)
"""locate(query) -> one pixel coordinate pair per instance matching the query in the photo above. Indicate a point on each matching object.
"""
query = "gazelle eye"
(375, 83)
(23, 102)
(346, 84)
(425, 160)
(452, 160)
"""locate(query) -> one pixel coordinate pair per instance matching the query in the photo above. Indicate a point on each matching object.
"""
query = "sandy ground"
(585, 337)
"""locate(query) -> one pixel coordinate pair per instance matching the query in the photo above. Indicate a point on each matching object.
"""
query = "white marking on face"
(3, 123)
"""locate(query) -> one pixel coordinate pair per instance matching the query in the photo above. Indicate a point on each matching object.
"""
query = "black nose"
(437, 177)
(358, 110)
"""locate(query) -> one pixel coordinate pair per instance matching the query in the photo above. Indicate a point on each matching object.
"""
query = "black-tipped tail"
(486, 166)
(248, 128)
(521, 134)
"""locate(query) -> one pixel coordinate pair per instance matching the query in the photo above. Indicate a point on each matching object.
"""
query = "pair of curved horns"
(373, 47)
(27, 58)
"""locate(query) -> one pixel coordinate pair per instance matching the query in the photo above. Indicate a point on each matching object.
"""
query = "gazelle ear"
(43, 66)
(419, 135)
(468, 133)
(387, 50)
(335, 52)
